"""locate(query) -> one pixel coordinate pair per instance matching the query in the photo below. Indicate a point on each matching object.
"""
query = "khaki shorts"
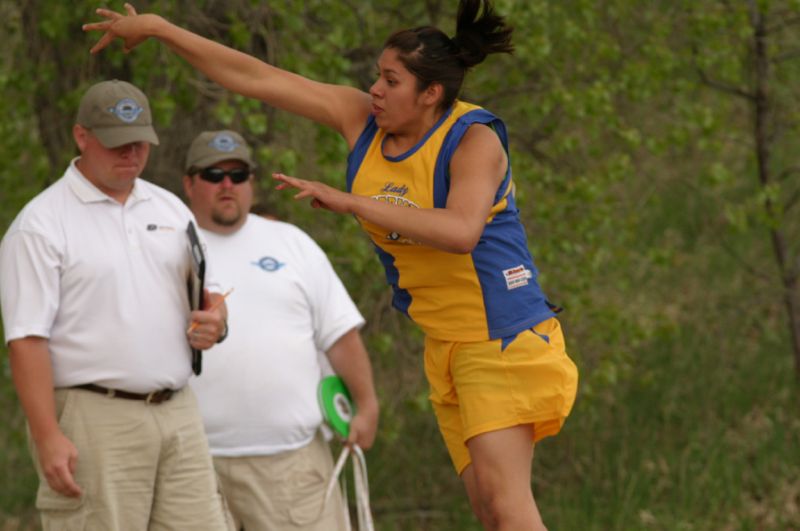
(282, 492)
(479, 387)
(140, 466)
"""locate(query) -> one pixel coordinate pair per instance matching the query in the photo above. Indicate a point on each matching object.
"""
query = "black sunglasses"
(217, 175)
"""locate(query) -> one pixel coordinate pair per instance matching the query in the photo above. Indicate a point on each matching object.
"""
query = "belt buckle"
(156, 397)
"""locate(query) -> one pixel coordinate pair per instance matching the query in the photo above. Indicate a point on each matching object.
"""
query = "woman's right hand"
(131, 28)
(321, 195)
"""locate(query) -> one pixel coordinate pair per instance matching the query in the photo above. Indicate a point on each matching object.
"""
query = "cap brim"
(112, 137)
(205, 162)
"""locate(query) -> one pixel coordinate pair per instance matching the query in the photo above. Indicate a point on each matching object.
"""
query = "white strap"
(361, 486)
(362, 491)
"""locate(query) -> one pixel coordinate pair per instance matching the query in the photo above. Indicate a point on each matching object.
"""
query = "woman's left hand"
(322, 195)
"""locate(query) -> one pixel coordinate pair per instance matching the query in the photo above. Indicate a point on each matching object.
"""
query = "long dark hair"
(433, 57)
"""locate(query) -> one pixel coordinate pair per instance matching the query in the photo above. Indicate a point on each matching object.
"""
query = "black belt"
(154, 397)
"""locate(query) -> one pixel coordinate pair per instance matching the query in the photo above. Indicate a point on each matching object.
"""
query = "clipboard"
(195, 282)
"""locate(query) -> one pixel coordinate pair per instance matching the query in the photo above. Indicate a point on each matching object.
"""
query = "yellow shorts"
(480, 387)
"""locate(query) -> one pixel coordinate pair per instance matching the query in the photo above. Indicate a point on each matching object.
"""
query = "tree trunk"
(761, 118)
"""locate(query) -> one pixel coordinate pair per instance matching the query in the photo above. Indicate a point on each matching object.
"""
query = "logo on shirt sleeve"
(516, 277)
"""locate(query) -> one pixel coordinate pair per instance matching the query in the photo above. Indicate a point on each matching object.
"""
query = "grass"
(690, 441)
(701, 433)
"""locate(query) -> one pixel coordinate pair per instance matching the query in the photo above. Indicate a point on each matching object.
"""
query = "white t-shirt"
(104, 282)
(257, 392)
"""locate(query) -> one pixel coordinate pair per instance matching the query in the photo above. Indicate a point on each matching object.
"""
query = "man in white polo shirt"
(258, 394)
(95, 309)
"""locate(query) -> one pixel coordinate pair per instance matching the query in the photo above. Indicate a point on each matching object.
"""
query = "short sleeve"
(30, 272)
(334, 312)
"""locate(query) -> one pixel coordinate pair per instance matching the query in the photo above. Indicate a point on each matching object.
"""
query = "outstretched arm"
(476, 171)
(350, 361)
(345, 109)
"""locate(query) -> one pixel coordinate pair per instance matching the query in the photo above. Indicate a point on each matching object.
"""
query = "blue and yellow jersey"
(490, 293)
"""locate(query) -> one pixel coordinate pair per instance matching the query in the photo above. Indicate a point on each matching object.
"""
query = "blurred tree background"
(655, 149)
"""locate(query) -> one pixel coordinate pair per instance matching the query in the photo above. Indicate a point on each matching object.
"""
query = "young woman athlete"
(429, 179)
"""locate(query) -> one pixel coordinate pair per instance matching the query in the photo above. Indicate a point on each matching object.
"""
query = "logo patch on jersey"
(516, 277)
(269, 264)
(126, 110)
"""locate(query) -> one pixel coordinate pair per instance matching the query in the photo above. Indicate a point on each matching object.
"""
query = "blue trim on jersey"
(404, 156)
(503, 244)
(544, 337)
(441, 177)
(401, 299)
(506, 341)
(356, 157)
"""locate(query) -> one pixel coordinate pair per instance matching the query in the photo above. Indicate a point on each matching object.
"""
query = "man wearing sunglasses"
(93, 290)
(257, 394)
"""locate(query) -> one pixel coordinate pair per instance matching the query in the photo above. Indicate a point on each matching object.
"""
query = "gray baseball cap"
(117, 113)
(211, 147)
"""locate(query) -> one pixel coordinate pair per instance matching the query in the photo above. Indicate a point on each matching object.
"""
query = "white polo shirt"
(258, 390)
(104, 282)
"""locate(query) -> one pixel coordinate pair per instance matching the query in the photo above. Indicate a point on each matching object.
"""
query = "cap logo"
(224, 142)
(126, 110)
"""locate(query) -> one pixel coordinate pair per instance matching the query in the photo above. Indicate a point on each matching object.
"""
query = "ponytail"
(433, 57)
(479, 34)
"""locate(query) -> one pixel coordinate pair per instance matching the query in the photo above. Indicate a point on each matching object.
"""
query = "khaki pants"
(141, 466)
(282, 492)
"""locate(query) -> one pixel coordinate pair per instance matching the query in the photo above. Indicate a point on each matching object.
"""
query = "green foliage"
(636, 179)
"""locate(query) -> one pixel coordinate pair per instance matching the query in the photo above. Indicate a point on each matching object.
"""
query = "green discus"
(337, 406)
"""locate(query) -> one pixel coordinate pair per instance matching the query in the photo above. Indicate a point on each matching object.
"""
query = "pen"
(214, 306)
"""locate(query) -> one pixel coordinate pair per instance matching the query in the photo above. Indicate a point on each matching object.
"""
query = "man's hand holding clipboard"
(209, 314)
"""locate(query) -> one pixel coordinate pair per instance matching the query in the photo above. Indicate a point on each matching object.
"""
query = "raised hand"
(131, 28)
